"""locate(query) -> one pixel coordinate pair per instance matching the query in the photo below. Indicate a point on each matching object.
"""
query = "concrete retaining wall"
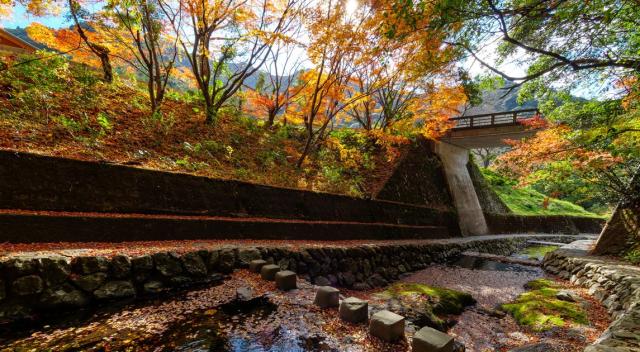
(418, 178)
(35, 182)
(615, 284)
(511, 223)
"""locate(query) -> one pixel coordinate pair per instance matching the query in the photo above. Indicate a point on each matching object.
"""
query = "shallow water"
(210, 319)
(470, 262)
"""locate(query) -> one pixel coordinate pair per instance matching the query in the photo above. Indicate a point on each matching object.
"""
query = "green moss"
(527, 201)
(541, 310)
(444, 301)
(537, 252)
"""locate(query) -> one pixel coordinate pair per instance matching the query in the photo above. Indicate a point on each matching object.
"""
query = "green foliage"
(540, 310)
(528, 201)
(633, 256)
(537, 252)
(445, 301)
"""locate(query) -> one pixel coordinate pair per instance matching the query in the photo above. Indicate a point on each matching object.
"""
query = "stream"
(267, 320)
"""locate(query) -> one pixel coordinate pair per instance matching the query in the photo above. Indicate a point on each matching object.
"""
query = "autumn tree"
(82, 42)
(226, 41)
(335, 51)
(137, 26)
(276, 87)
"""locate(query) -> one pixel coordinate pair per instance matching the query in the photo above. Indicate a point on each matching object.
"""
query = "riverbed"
(264, 319)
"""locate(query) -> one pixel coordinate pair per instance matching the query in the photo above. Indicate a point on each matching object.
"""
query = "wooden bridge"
(490, 130)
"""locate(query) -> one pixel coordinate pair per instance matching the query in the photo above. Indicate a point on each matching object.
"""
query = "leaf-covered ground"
(199, 320)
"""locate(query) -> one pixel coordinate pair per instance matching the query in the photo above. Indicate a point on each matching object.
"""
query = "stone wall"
(615, 284)
(622, 231)
(31, 285)
(489, 199)
(418, 178)
(511, 223)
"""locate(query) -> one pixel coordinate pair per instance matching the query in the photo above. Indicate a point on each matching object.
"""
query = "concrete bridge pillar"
(470, 216)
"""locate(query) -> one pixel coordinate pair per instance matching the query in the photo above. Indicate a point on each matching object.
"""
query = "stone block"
(354, 310)
(27, 285)
(286, 280)
(431, 340)
(256, 265)
(115, 290)
(268, 272)
(387, 326)
(327, 296)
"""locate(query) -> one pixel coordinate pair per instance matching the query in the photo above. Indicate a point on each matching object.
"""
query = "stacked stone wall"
(40, 283)
(615, 284)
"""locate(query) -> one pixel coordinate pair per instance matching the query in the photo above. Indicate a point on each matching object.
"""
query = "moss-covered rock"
(426, 305)
(540, 309)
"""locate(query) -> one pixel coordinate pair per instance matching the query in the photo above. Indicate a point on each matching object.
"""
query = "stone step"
(19, 226)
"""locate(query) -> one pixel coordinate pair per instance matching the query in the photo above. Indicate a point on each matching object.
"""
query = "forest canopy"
(327, 92)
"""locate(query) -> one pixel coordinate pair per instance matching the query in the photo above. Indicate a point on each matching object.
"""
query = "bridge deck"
(490, 130)
(504, 118)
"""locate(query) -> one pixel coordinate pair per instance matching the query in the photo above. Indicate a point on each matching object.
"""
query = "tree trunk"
(305, 151)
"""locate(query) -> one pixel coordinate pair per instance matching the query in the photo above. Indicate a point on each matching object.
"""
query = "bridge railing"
(494, 119)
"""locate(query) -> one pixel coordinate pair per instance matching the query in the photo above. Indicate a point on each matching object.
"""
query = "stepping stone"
(327, 296)
(286, 280)
(354, 310)
(431, 340)
(387, 326)
(268, 272)
(256, 265)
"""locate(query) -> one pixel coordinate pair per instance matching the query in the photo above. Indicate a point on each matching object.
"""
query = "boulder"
(566, 296)
(431, 340)
(246, 255)
(167, 264)
(244, 294)
(286, 280)
(115, 290)
(153, 287)
(321, 281)
(193, 264)
(142, 266)
(90, 265)
(89, 282)
(268, 272)
(54, 270)
(27, 285)
(227, 260)
(63, 296)
(327, 296)
(387, 326)
(120, 266)
(354, 310)
(256, 265)
(20, 266)
(214, 260)
(376, 280)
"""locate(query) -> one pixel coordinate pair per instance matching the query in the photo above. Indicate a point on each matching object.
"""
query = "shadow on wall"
(418, 178)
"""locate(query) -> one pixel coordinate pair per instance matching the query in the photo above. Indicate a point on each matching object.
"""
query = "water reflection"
(470, 262)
